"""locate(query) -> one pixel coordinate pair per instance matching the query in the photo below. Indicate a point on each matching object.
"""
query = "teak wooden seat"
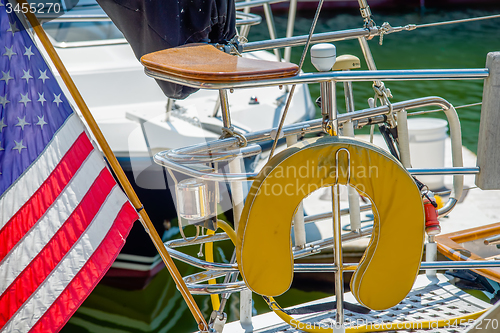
(205, 63)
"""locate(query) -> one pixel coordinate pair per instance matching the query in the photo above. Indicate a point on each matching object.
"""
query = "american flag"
(63, 218)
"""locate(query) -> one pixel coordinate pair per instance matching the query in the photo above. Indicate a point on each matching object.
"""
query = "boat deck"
(429, 300)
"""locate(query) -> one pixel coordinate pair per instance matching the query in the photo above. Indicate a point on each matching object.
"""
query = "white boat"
(138, 120)
(386, 293)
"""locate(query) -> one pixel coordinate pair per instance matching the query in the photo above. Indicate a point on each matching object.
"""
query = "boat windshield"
(86, 23)
(70, 32)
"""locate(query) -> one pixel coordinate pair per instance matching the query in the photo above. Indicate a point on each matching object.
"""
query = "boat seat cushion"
(205, 63)
(391, 262)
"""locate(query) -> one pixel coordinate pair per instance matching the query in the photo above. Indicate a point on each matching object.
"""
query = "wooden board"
(449, 246)
(205, 63)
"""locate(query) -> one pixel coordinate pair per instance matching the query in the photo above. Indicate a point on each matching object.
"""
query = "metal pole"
(328, 95)
(337, 238)
(348, 130)
(238, 197)
(224, 103)
(271, 27)
(298, 219)
(403, 139)
(144, 218)
(292, 90)
(316, 38)
(289, 28)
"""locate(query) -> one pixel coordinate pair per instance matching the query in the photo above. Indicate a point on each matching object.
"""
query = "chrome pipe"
(203, 264)
(255, 3)
(219, 177)
(219, 288)
(324, 216)
(317, 246)
(224, 104)
(316, 38)
(247, 19)
(435, 265)
(271, 28)
(338, 76)
(292, 11)
(494, 240)
(439, 265)
(203, 276)
(367, 54)
(249, 150)
(298, 129)
(445, 171)
(207, 289)
(223, 268)
(309, 126)
(196, 241)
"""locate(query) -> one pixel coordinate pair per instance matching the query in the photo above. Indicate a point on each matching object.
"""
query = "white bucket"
(427, 145)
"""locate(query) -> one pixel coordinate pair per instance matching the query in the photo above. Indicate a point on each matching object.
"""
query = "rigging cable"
(472, 19)
(292, 90)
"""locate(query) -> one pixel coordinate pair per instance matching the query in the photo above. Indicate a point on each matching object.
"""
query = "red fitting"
(432, 227)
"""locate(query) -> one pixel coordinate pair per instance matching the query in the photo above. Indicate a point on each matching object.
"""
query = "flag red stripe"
(88, 277)
(24, 219)
(37, 271)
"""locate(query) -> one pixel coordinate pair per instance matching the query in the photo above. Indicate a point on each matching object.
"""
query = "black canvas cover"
(153, 25)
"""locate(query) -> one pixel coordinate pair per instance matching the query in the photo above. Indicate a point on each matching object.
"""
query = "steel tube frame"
(303, 127)
(163, 158)
(455, 134)
(255, 3)
(249, 150)
(206, 289)
(309, 126)
(338, 76)
(316, 38)
(445, 171)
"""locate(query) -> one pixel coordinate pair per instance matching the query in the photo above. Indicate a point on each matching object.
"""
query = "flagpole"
(144, 218)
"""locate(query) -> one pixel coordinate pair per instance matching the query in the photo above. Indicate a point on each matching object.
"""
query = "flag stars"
(41, 98)
(2, 125)
(19, 146)
(22, 122)
(41, 122)
(24, 99)
(13, 28)
(57, 99)
(26, 75)
(8, 52)
(43, 75)
(6, 77)
(28, 52)
(3, 101)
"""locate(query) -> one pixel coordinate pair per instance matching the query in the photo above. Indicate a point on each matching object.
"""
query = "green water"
(160, 308)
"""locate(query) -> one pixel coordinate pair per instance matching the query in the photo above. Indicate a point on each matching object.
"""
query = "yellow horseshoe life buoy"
(391, 262)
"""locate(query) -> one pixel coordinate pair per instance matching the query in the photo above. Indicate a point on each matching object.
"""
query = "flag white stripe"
(15, 197)
(41, 233)
(31, 311)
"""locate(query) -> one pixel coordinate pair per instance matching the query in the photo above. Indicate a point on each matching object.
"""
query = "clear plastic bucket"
(427, 147)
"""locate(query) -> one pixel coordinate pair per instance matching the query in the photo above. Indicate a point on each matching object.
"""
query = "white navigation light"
(323, 56)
